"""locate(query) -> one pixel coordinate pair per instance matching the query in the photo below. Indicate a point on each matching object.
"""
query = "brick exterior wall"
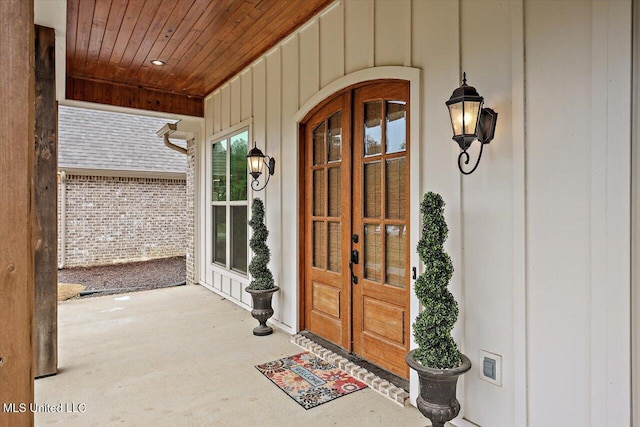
(113, 220)
(191, 211)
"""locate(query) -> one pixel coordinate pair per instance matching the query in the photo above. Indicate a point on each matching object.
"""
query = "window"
(229, 201)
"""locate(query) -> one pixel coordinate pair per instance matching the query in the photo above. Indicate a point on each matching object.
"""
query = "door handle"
(355, 259)
(354, 278)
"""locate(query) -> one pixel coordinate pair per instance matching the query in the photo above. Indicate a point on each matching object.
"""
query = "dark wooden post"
(46, 208)
(16, 214)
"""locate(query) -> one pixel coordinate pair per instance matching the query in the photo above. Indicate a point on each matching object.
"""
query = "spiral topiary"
(432, 329)
(261, 276)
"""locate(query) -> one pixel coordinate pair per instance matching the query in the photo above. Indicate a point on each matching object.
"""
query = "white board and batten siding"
(539, 234)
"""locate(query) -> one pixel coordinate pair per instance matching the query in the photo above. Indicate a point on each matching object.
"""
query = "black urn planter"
(437, 400)
(262, 309)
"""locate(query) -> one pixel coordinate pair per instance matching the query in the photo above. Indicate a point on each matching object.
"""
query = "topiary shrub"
(432, 329)
(261, 277)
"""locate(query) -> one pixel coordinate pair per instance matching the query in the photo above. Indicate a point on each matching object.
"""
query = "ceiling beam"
(79, 89)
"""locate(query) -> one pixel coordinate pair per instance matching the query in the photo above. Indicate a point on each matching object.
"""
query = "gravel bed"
(130, 277)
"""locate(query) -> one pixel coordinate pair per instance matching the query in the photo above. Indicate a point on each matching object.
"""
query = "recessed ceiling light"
(157, 62)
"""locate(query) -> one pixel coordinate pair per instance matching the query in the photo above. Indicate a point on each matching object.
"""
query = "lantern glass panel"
(255, 164)
(467, 118)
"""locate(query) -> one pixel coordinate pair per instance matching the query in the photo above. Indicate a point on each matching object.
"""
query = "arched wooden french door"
(355, 175)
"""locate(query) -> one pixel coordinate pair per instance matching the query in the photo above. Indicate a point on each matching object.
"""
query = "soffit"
(203, 43)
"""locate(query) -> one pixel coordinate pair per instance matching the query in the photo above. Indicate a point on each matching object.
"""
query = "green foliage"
(432, 329)
(262, 278)
(237, 176)
(238, 163)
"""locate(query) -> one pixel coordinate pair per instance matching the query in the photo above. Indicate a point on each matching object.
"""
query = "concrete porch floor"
(183, 357)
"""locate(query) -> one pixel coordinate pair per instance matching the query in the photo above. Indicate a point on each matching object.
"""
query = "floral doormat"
(309, 380)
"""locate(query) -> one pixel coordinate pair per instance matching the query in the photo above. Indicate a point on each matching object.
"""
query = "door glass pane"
(372, 190)
(318, 145)
(319, 245)
(372, 252)
(335, 136)
(238, 177)
(335, 247)
(396, 126)
(396, 191)
(319, 193)
(219, 171)
(372, 128)
(239, 238)
(334, 191)
(220, 234)
(395, 255)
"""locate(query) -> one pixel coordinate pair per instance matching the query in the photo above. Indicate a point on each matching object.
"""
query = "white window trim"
(226, 269)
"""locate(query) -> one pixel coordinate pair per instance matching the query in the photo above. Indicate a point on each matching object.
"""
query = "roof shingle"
(94, 139)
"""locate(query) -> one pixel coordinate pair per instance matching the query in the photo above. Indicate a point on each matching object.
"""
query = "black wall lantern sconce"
(257, 160)
(470, 121)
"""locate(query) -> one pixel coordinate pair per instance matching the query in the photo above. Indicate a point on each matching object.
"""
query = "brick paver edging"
(384, 387)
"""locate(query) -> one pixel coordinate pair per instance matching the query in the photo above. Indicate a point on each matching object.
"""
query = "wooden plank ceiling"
(203, 43)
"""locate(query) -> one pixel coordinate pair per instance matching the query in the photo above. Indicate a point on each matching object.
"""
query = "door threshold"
(378, 379)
